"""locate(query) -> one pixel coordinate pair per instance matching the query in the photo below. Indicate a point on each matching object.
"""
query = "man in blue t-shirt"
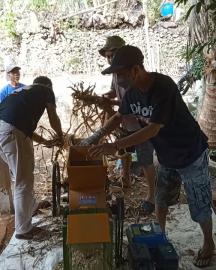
(180, 144)
(13, 74)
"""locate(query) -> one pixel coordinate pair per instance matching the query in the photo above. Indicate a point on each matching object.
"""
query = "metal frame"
(112, 252)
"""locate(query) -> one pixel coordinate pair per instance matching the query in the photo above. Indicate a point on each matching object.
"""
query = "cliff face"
(53, 51)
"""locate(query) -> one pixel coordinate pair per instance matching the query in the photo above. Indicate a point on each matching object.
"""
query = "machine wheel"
(56, 188)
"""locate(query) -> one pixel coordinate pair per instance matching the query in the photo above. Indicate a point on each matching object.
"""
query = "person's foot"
(41, 205)
(35, 233)
(204, 256)
(150, 197)
(147, 208)
(126, 182)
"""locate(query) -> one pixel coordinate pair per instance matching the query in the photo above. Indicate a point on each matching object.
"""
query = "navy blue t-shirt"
(180, 141)
(23, 109)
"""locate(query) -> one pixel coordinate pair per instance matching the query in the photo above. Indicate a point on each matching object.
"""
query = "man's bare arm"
(110, 94)
(54, 120)
(39, 139)
(112, 123)
(140, 136)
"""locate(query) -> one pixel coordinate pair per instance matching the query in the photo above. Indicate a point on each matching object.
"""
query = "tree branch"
(87, 10)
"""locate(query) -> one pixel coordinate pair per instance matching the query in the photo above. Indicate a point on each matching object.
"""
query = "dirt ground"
(133, 196)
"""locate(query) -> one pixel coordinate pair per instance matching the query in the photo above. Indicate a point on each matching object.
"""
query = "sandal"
(147, 208)
(125, 182)
(35, 233)
(202, 261)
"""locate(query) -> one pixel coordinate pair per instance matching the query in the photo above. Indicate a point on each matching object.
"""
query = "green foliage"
(199, 48)
(212, 155)
(73, 62)
(153, 10)
(198, 66)
(201, 4)
(209, 8)
(39, 5)
(198, 62)
(70, 24)
(8, 22)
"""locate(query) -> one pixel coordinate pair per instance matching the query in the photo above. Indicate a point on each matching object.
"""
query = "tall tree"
(202, 40)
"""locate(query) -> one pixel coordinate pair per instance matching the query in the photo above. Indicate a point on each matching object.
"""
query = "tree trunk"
(207, 117)
(201, 30)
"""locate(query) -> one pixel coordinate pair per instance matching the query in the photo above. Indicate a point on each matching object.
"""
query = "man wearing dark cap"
(19, 115)
(181, 146)
(113, 43)
(13, 75)
(144, 151)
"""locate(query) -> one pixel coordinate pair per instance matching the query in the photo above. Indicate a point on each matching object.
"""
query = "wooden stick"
(87, 10)
(146, 26)
(158, 56)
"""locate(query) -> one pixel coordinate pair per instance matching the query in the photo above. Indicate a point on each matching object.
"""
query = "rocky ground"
(182, 232)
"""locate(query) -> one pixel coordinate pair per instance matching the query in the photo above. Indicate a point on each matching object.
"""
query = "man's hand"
(106, 96)
(54, 142)
(111, 99)
(103, 149)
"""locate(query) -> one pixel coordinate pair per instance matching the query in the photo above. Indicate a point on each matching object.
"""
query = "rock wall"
(40, 50)
(71, 55)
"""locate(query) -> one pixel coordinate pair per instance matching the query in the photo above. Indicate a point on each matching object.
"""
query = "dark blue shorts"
(144, 153)
(196, 181)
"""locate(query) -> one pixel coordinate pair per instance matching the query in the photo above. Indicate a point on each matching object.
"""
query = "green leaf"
(212, 7)
(190, 52)
(189, 12)
(179, 2)
(202, 47)
(198, 7)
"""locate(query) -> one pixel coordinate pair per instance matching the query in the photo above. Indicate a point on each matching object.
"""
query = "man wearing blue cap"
(13, 75)
(181, 146)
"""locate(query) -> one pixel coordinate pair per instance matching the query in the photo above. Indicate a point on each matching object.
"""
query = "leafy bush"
(153, 10)
(209, 7)
(39, 5)
(8, 23)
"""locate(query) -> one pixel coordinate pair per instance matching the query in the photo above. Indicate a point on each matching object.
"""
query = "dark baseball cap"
(125, 57)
